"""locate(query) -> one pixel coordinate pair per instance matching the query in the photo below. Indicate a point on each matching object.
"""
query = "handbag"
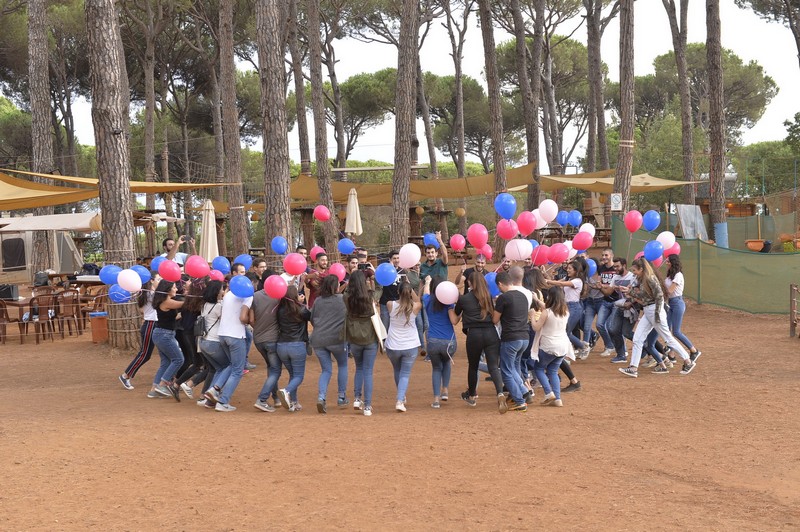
(380, 329)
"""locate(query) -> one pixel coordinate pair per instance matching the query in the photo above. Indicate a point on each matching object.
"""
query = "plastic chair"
(68, 312)
(5, 321)
(95, 303)
(43, 324)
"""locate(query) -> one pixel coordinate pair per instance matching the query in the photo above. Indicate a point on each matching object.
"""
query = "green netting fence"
(733, 278)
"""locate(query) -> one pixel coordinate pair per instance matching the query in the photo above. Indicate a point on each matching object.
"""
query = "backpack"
(200, 327)
(41, 279)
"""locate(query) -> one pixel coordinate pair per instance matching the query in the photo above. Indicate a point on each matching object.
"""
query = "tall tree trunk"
(110, 120)
(149, 66)
(299, 90)
(716, 173)
(169, 210)
(622, 179)
(273, 113)
(679, 39)
(230, 128)
(329, 228)
(425, 110)
(338, 111)
(43, 253)
(405, 116)
(552, 132)
(219, 153)
(187, 176)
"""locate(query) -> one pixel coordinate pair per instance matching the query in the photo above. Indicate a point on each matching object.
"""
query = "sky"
(769, 44)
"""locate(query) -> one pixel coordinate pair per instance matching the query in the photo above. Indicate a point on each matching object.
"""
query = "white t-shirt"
(572, 294)
(678, 281)
(180, 257)
(229, 322)
(291, 280)
(402, 334)
(212, 312)
(149, 312)
(622, 280)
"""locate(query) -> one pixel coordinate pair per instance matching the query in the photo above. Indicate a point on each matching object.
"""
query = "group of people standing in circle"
(521, 327)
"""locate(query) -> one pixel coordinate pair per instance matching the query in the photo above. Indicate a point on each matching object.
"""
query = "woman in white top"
(210, 348)
(145, 303)
(674, 283)
(552, 344)
(573, 289)
(402, 341)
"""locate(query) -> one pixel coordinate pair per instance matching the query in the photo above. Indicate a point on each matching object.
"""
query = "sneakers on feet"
(187, 390)
(295, 407)
(619, 360)
(358, 404)
(153, 394)
(264, 406)
(687, 368)
(658, 370)
(573, 387)
(651, 363)
(445, 397)
(322, 408)
(222, 407)
(400, 406)
(175, 391)
(502, 405)
(607, 353)
(528, 398)
(285, 400)
(342, 402)
(557, 402)
(692, 356)
(205, 403)
(163, 390)
(467, 399)
(549, 398)
(436, 404)
(126, 383)
(212, 395)
(518, 407)
(250, 365)
(630, 371)
(367, 410)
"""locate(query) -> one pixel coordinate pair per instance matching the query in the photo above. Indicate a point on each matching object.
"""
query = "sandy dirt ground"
(715, 450)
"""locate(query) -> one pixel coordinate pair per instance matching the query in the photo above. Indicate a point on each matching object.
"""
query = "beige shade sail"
(352, 224)
(605, 185)
(79, 221)
(20, 194)
(138, 187)
(209, 248)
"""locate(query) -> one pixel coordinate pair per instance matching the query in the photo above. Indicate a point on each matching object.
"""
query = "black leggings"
(483, 340)
(565, 367)
(191, 360)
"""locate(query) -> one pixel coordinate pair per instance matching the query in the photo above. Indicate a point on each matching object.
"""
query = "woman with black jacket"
(293, 317)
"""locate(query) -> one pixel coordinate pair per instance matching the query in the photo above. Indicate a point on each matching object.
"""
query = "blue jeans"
(575, 317)
(677, 308)
(326, 356)
(216, 358)
(602, 309)
(440, 351)
(293, 355)
(619, 327)
(510, 357)
(269, 351)
(364, 356)
(235, 349)
(248, 339)
(547, 372)
(402, 361)
(422, 326)
(170, 353)
(385, 316)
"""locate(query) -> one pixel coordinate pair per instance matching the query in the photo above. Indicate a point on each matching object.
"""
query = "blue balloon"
(575, 218)
(241, 286)
(143, 272)
(592, 267)
(430, 240)
(651, 220)
(346, 246)
(279, 245)
(221, 264)
(244, 260)
(385, 274)
(156, 262)
(562, 218)
(653, 249)
(491, 280)
(109, 272)
(534, 243)
(506, 205)
(117, 294)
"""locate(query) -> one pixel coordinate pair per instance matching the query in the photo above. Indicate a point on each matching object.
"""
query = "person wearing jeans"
(292, 346)
(552, 344)
(597, 306)
(674, 283)
(361, 338)
(210, 348)
(364, 357)
(441, 339)
(164, 337)
(511, 311)
(402, 342)
(232, 339)
(293, 355)
(264, 318)
(327, 318)
(573, 289)
(269, 352)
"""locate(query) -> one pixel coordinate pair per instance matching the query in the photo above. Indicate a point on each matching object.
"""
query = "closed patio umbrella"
(208, 236)
(353, 224)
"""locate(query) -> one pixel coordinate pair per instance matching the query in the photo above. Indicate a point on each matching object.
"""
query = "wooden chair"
(43, 290)
(94, 301)
(68, 312)
(44, 324)
(5, 321)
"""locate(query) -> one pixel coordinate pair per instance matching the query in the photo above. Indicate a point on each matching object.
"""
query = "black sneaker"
(593, 338)
(518, 407)
(573, 387)
(175, 391)
(467, 399)
(528, 396)
(694, 356)
(688, 368)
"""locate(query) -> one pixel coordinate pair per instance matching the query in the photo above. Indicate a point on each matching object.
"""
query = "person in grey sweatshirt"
(327, 339)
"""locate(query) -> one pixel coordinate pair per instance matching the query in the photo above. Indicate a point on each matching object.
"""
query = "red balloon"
(458, 242)
(633, 221)
(322, 213)
(216, 275)
(294, 264)
(169, 271)
(526, 223)
(674, 250)
(275, 286)
(338, 270)
(486, 251)
(656, 263)
(507, 229)
(316, 250)
(582, 240)
(540, 255)
(478, 235)
(196, 266)
(638, 255)
(558, 253)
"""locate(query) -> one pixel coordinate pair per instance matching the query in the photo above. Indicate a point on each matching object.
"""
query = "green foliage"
(765, 168)
(793, 132)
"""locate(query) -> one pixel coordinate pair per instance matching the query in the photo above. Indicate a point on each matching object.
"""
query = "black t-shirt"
(467, 273)
(470, 310)
(606, 274)
(391, 292)
(513, 308)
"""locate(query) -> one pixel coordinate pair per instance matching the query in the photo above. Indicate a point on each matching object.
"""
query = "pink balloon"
(275, 286)
(656, 263)
(478, 235)
(316, 250)
(338, 270)
(447, 293)
(409, 255)
(507, 229)
(582, 241)
(322, 213)
(458, 242)
(638, 255)
(169, 271)
(196, 266)
(518, 249)
(216, 275)
(294, 264)
(633, 221)
(486, 251)
(526, 223)
(558, 253)
(540, 255)
(548, 210)
(674, 250)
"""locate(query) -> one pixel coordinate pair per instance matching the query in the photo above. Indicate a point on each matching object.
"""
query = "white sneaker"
(358, 404)
(367, 410)
(187, 390)
(222, 407)
(400, 406)
(607, 353)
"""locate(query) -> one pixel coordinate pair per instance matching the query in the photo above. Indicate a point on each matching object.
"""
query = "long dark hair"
(438, 306)
(290, 304)
(479, 287)
(194, 300)
(534, 280)
(162, 292)
(359, 299)
(211, 293)
(580, 266)
(555, 301)
(406, 301)
(146, 294)
(329, 286)
(674, 266)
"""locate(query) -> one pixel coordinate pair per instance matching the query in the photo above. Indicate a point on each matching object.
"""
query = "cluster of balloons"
(125, 282)
(656, 250)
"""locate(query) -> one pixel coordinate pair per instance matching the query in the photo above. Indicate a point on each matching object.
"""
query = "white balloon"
(667, 239)
(129, 280)
(548, 210)
(587, 228)
(572, 251)
(568, 243)
(540, 223)
(409, 255)
(518, 249)
(447, 293)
